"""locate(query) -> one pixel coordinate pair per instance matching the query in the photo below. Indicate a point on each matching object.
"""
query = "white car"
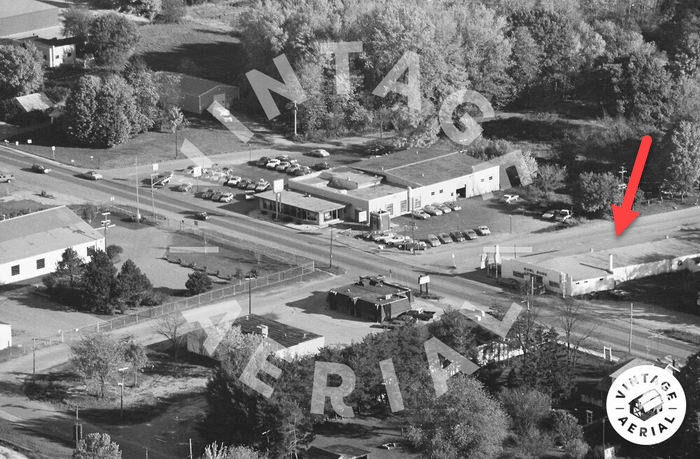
(483, 230)
(319, 153)
(510, 198)
(432, 210)
(419, 214)
(564, 215)
(549, 215)
(92, 175)
(273, 163)
(226, 197)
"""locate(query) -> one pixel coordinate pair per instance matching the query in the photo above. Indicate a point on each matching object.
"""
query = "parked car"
(397, 240)
(444, 238)
(382, 238)
(432, 240)
(226, 197)
(549, 215)
(251, 185)
(453, 205)
(233, 181)
(421, 215)
(391, 445)
(273, 163)
(425, 315)
(281, 167)
(413, 245)
(564, 215)
(216, 196)
(471, 235)
(445, 209)
(510, 198)
(292, 169)
(207, 194)
(319, 153)
(91, 175)
(432, 210)
(483, 230)
(303, 170)
(243, 184)
(6, 177)
(322, 166)
(261, 186)
(282, 157)
(40, 169)
(184, 187)
(458, 236)
(262, 161)
(201, 216)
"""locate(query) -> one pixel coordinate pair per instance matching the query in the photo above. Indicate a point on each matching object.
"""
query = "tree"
(176, 121)
(116, 113)
(550, 177)
(526, 57)
(76, 23)
(198, 282)
(21, 70)
(595, 193)
(71, 266)
(97, 446)
(65, 283)
(574, 337)
(681, 153)
(146, 8)
(568, 433)
(465, 422)
(132, 284)
(112, 39)
(217, 451)
(136, 356)
(171, 328)
(526, 407)
(99, 283)
(96, 358)
(172, 11)
(142, 81)
(81, 109)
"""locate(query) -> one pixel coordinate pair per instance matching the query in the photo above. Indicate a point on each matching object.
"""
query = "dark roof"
(373, 290)
(55, 41)
(286, 335)
(196, 86)
(42, 232)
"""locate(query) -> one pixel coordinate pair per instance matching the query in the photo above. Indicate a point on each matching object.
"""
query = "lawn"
(12, 208)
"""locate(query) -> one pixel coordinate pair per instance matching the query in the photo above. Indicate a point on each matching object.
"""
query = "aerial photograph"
(349, 229)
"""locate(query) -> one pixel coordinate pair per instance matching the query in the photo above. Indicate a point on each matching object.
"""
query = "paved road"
(611, 331)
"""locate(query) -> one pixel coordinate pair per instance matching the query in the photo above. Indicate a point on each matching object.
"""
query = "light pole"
(138, 203)
(121, 392)
(295, 118)
(105, 222)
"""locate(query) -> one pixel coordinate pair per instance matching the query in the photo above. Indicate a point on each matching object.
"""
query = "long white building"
(31, 245)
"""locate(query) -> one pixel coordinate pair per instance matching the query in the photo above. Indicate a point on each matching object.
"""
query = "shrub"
(172, 11)
(113, 250)
(198, 282)
(152, 298)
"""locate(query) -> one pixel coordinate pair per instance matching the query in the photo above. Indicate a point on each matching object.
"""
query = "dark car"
(458, 236)
(208, 194)
(321, 166)
(38, 168)
(201, 216)
(444, 238)
(243, 184)
(262, 161)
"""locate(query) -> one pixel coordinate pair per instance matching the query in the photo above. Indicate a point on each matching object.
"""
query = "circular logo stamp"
(646, 405)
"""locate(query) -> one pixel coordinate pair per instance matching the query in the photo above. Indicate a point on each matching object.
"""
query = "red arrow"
(624, 215)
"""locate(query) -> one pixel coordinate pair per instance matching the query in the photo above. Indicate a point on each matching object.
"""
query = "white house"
(56, 51)
(31, 245)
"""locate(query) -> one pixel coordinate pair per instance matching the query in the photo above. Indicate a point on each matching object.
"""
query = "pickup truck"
(563, 215)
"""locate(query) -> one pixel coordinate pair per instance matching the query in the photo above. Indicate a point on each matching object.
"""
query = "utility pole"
(330, 255)
(295, 118)
(603, 435)
(630, 340)
(106, 223)
(153, 202)
(138, 204)
(250, 293)
(191, 455)
(33, 356)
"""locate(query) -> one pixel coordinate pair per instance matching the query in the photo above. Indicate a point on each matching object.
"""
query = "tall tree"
(96, 358)
(76, 23)
(220, 451)
(81, 109)
(115, 112)
(112, 39)
(550, 177)
(596, 192)
(142, 81)
(99, 283)
(132, 284)
(136, 356)
(681, 152)
(21, 70)
(526, 407)
(463, 423)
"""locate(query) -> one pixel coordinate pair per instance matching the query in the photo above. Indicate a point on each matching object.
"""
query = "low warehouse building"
(302, 207)
(31, 245)
(296, 342)
(197, 94)
(601, 270)
(371, 298)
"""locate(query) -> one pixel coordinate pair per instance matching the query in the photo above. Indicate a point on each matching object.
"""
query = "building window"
(404, 206)
(440, 191)
(432, 193)
(90, 251)
(40, 263)
(390, 208)
(70, 54)
(15, 270)
(518, 274)
(416, 203)
(482, 180)
(490, 177)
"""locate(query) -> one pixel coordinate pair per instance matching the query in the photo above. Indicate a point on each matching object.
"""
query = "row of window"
(40, 264)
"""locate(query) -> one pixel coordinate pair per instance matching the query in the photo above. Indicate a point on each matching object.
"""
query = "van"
(6, 177)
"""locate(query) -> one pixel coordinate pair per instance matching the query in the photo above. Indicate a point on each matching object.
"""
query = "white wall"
(310, 347)
(447, 190)
(28, 269)
(5, 336)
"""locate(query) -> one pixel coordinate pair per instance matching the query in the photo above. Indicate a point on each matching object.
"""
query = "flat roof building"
(302, 207)
(371, 298)
(600, 270)
(31, 245)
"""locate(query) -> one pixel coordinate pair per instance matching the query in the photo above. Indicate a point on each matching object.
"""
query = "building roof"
(54, 41)
(373, 290)
(362, 185)
(44, 231)
(286, 335)
(37, 101)
(589, 265)
(417, 167)
(302, 201)
(10, 8)
(193, 85)
(618, 369)
(336, 452)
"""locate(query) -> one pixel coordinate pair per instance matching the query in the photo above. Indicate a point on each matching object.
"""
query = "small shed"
(197, 94)
(36, 102)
